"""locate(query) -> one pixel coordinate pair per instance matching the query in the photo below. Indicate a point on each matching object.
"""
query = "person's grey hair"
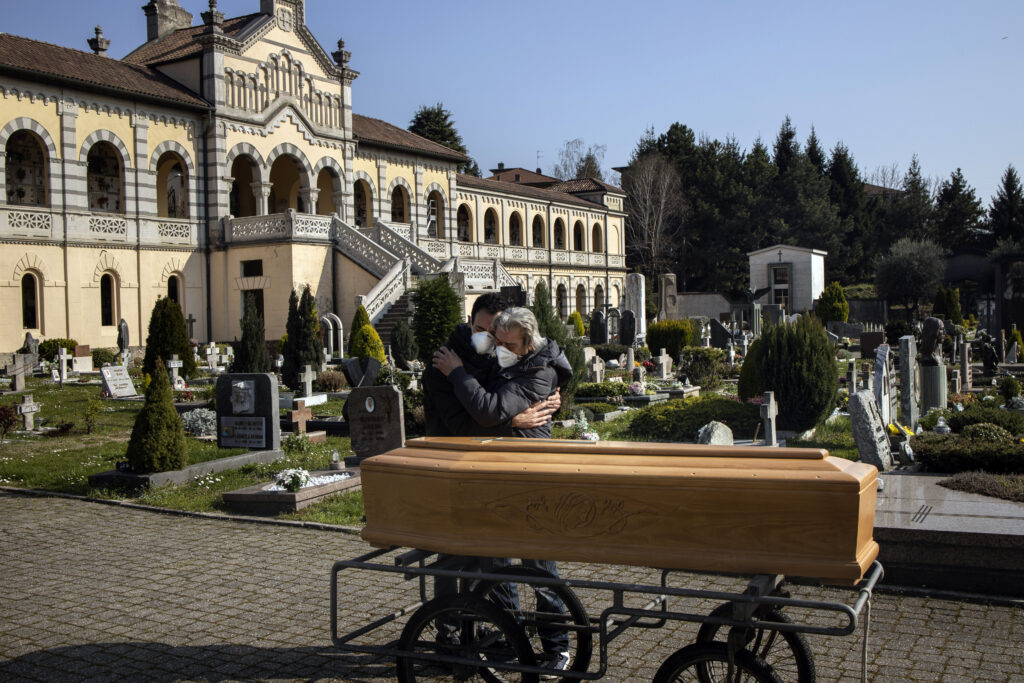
(523, 319)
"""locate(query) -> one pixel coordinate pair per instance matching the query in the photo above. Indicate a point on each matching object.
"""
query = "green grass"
(346, 509)
(835, 437)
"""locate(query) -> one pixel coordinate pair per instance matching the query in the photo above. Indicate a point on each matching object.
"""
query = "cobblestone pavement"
(90, 591)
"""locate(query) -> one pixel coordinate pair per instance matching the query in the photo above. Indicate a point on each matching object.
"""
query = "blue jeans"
(552, 639)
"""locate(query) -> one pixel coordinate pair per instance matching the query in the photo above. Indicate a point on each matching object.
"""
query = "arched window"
(515, 229)
(327, 184)
(559, 234)
(581, 299)
(172, 289)
(562, 301)
(171, 187)
(26, 174)
(243, 199)
(108, 300)
(364, 204)
(104, 179)
(597, 243)
(399, 205)
(465, 223)
(577, 236)
(538, 232)
(29, 301)
(598, 297)
(286, 179)
(435, 215)
(491, 227)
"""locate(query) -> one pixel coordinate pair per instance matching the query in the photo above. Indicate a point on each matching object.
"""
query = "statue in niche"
(932, 334)
(243, 397)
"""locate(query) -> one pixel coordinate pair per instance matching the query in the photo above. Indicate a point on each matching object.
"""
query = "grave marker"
(630, 358)
(627, 328)
(16, 371)
(82, 361)
(173, 364)
(851, 377)
(1011, 354)
(720, 335)
(909, 382)
(769, 411)
(299, 415)
(598, 328)
(28, 408)
(247, 412)
(307, 378)
(869, 431)
(117, 382)
(595, 369)
(376, 421)
(62, 358)
(965, 365)
(664, 365)
(883, 388)
(191, 322)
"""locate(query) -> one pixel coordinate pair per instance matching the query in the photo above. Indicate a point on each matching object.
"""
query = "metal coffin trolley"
(754, 512)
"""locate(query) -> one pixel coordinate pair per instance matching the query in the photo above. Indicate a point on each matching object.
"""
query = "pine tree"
(815, 154)
(547, 320)
(958, 214)
(157, 443)
(292, 368)
(915, 206)
(1006, 214)
(438, 310)
(251, 352)
(167, 336)
(435, 123)
(403, 345)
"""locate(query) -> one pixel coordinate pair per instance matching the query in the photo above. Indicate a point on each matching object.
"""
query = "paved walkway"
(90, 591)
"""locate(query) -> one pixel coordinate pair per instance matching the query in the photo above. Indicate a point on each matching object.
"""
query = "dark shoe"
(558, 662)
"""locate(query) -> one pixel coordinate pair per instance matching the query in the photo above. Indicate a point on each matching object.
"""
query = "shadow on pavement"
(161, 662)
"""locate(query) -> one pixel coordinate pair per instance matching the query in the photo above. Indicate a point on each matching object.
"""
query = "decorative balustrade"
(387, 291)
(362, 249)
(280, 226)
(516, 254)
(317, 227)
(26, 222)
(398, 244)
(168, 231)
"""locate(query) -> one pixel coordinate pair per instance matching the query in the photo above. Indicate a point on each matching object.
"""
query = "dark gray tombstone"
(869, 343)
(191, 322)
(123, 339)
(376, 421)
(909, 414)
(598, 329)
(772, 313)
(627, 328)
(769, 413)
(247, 412)
(360, 375)
(869, 431)
(720, 335)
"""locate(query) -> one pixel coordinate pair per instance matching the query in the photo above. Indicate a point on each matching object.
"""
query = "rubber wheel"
(482, 632)
(529, 620)
(786, 652)
(709, 663)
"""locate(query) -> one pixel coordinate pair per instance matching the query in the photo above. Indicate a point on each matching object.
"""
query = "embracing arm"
(489, 408)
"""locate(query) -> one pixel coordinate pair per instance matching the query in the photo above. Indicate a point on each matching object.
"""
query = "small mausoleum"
(793, 277)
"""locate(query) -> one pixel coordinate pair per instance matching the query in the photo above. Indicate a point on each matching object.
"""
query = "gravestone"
(884, 390)
(953, 380)
(630, 361)
(627, 328)
(28, 409)
(731, 355)
(123, 339)
(588, 353)
(851, 377)
(307, 378)
(247, 412)
(720, 335)
(635, 301)
(869, 431)
(663, 364)
(834, 339)
(639, 374)
(82, 360)
(965, 366)
(869, 343)
(1011, 354)
(299, 415)
(376, 421)
(173, 365)
(31, 345)
(715, 434)
(595, 370)
(770, 411)
(16, 371)
(116, 381)
(667, 293)
(598, 329)
(62, 359)
(191, 322)
(773, 313)
(357, 375)
(613, 321)
(909, 382)
(1001, 345)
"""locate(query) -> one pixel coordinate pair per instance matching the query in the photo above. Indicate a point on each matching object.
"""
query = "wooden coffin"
(740, 509)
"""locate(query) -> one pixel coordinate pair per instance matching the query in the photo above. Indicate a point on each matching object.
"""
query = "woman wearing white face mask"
(530, 369)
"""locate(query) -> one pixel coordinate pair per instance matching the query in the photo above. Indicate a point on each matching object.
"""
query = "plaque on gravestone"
(116, 381)
(376, 421)
(247, 411)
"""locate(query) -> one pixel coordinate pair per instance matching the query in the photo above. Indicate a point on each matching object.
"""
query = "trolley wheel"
(533, 622)
(786, 652)
(709, 663)
(468, 627)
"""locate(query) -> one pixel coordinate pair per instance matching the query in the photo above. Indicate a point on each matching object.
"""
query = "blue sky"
(889, 79)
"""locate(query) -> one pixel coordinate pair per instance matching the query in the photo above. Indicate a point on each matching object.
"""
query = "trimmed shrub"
(680, 419)
(894, 329)
(642, 354)
(439, 310)
(576, 320)
(48, 349)
(703, 366)
(949, 453)
(359, 318)
(403, 346)
(365, 343)
(833, 306)
(1009, 388)
(251, 352)
(609, 351)
(931, 419)
(797, 363)
(199, 422)
(1014, 336)
(157, 443)
(1010, 420)
(168, 336)
(330, 380)
(101, 356)
(603, 389)
(986, 431)
(671, 335)
(749, 385)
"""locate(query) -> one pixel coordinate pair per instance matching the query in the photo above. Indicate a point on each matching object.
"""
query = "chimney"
(538, 171)
(99, 44)
(163, 17)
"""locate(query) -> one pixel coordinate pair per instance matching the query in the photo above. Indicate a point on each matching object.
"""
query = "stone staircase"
(401, 310)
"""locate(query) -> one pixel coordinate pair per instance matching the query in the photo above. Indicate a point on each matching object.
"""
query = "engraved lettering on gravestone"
(242, 432)
(117, 382)
(28, 408)
(243, 397)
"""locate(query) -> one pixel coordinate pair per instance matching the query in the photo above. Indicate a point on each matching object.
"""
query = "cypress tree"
(797, 363)
(576, 320)
(307, 344)
(157, 443)
(547, 320)
(438, 311)
(251, 352)
(291, 369)
(403, 345)
(833, 305)
(168, 336)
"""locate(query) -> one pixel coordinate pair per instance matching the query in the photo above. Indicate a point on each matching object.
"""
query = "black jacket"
(512, 390)
(445, 415)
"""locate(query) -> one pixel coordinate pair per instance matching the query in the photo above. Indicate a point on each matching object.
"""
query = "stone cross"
(731, 355)
(965, 365)
(191, 322)
(62, 358)
(299, 415)
(664, 362)
(307, 378)
(17, 371)
(595, 369)
(851, 377)
(173, 364)
(769, 411)
(28, 408)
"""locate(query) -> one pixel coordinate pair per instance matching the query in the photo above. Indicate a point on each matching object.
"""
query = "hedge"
(602, 389)
(671, 335)
(977, 413)
(950, 453)
(703, 366)
(680, 419)
(608, 352)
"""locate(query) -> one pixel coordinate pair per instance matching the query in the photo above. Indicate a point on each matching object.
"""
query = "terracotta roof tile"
(182, 44)
(522, 190)
(375, 131)
(35, 58)
(585, 185)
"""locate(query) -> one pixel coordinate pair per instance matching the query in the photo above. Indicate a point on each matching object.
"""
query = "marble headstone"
(247, 411)
(635, 301)
(376, 421)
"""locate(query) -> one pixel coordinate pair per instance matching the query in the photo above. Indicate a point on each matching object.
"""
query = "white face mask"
(506, 358)
(483, 342)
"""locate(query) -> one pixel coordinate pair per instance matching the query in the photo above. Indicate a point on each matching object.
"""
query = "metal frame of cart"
(763, 592)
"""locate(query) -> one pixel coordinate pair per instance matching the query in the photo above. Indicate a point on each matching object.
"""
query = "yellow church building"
(224, 158)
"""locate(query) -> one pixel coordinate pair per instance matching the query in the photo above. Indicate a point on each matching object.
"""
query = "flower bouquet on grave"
(637, 389)
(292, 480)
(581, 429)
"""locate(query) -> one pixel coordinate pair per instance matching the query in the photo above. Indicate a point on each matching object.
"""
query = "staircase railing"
(387, 291)
(422, 262)
(363, 250)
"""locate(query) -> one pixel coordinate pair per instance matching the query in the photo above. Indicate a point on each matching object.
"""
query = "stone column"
(909, 414)
(261, 193)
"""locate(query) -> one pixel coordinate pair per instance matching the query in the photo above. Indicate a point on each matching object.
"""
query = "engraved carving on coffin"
(179, 231)
(29, 222)
(108, 226)
(575, 514)
(313, 226)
